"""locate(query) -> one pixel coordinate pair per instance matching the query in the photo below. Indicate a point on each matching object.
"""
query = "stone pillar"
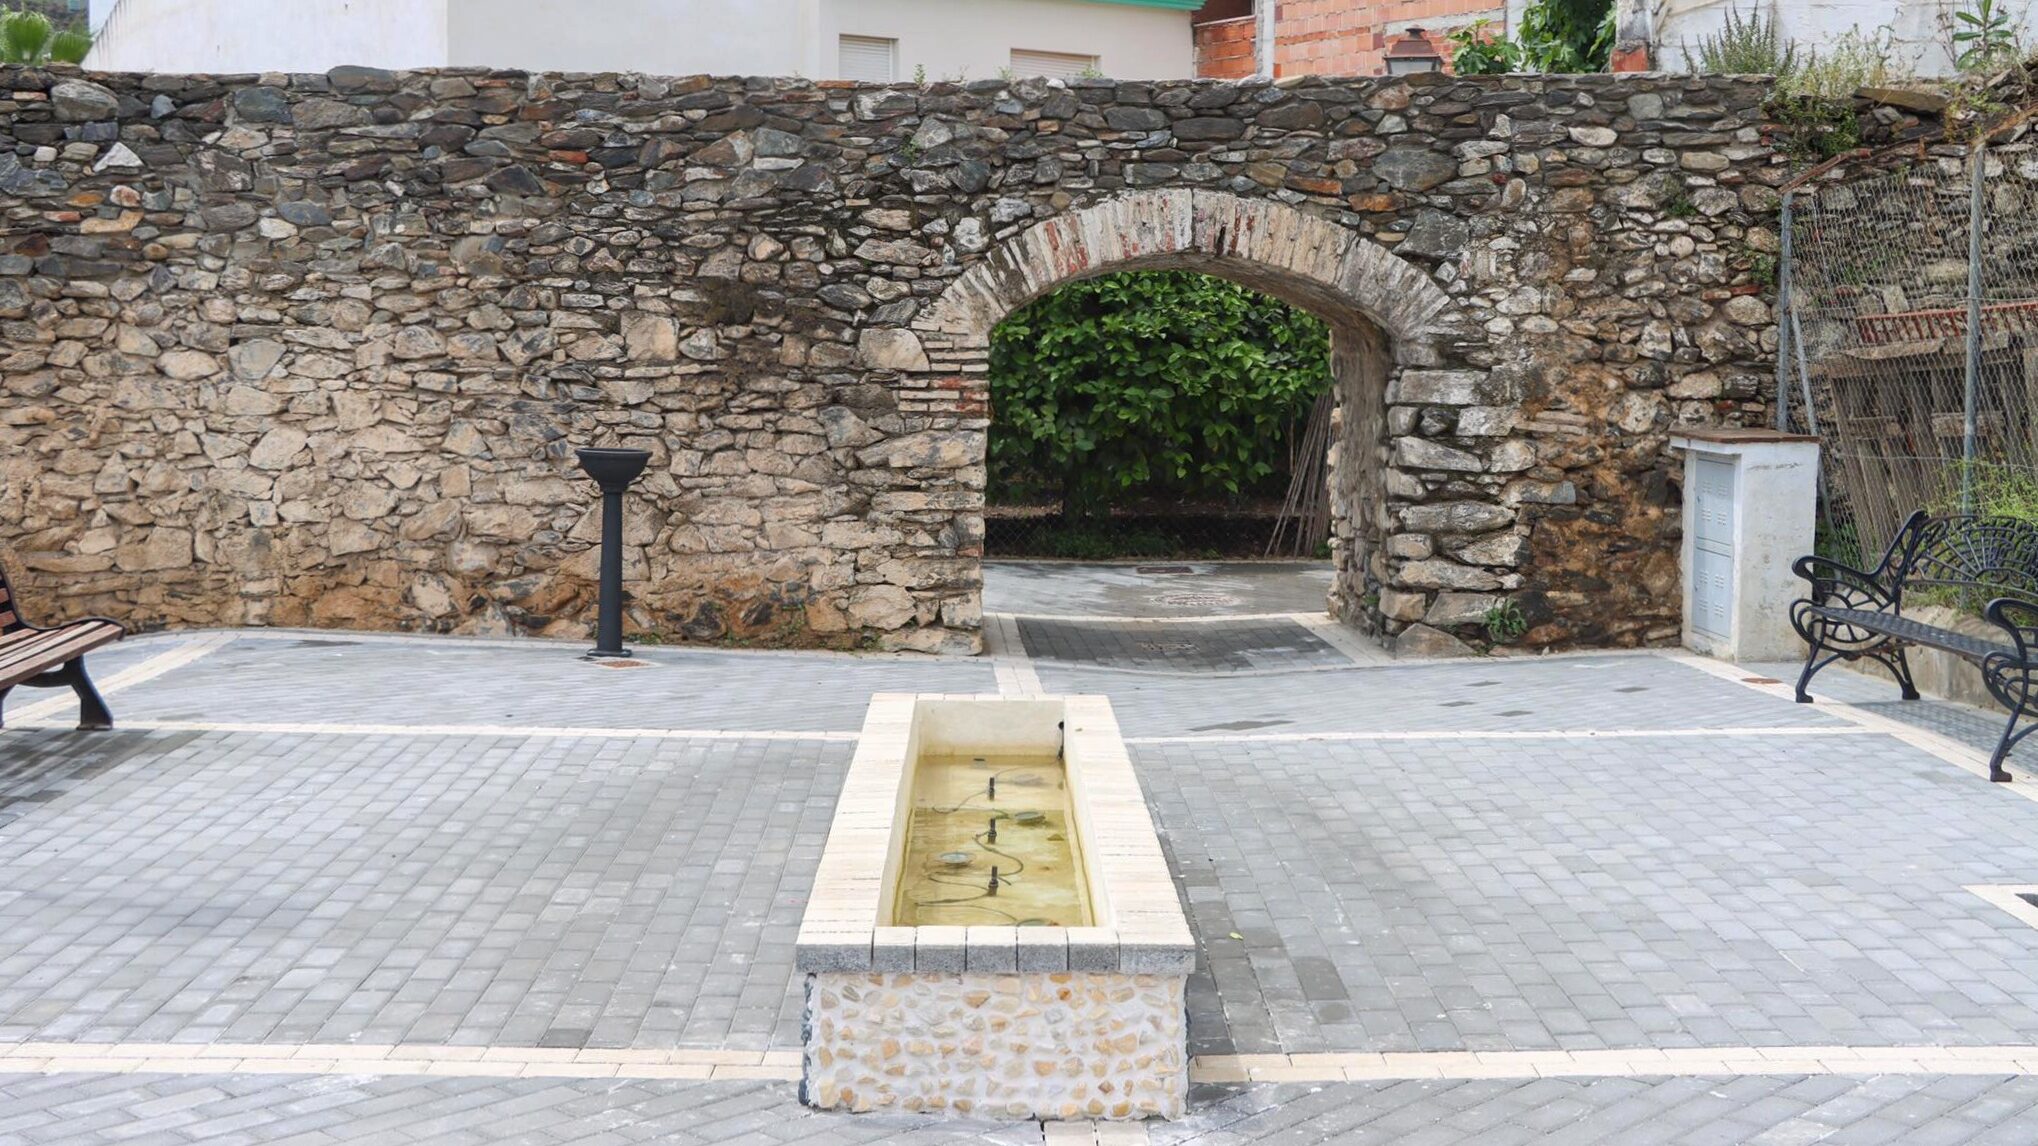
(1750, 503)
(1359, 365)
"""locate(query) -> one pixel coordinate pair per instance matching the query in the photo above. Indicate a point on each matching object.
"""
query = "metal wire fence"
(1909, 338)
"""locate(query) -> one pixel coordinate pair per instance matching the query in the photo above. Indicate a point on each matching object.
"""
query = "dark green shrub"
(1164, 383)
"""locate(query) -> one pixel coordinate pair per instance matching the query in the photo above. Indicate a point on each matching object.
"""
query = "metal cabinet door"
(1712, 548)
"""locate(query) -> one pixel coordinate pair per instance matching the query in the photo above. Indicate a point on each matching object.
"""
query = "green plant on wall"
(1745, 46)
(1555, 36)
(1505, 623)
(1165, 383)
(1984, 36)
(1567, 35)
(29, 38)
(1476, 50)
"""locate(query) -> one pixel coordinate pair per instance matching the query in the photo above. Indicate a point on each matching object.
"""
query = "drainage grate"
(1163, 570)
(1634, 688)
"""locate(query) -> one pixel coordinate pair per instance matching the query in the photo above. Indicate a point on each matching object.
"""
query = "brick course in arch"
(314, 349)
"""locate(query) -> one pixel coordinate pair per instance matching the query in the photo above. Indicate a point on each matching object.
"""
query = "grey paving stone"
(466, 890)
(606, 891)
(1216, 646)
(1559, 693)
(1156, 588)
(1675, 891)
(539, 1112)
(334, 678)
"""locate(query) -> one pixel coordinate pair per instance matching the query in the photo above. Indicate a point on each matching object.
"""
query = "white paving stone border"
(1502, 734)
(2010, 897)
(1368, 1066)
(203, 645)
(359, 1059)
(1944, 747)
(784, 1065)
(505, 730)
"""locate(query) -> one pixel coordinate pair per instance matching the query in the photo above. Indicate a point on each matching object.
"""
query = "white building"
(1918, 32)
(876, 40)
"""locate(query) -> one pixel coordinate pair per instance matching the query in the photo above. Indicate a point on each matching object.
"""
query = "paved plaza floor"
(353, 888)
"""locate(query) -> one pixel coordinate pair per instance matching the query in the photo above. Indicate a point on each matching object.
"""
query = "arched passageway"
(1384, 314)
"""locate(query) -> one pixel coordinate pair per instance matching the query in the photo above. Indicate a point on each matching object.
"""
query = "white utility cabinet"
(1750, 504)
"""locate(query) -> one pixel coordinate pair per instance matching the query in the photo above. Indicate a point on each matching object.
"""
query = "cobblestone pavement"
(439, 843)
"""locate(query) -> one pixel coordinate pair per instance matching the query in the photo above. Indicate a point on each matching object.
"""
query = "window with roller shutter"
(1052, 65)
(869, 59)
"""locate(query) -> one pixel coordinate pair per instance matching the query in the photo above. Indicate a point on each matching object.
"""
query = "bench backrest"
(1990, 556)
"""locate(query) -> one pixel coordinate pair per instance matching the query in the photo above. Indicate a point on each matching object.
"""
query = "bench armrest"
(2019, 619)
(1834, 583)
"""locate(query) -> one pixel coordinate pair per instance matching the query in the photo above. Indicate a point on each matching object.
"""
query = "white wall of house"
(973, 39)
(663, 37)
(267, 36)
(1919, 26)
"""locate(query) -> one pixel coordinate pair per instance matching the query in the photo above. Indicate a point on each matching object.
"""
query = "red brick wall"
(1328, 37)
(1224, 49)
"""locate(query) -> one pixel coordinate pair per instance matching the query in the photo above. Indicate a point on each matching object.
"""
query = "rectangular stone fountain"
(993, 930)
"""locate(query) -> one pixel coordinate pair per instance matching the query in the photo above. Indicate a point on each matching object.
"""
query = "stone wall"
(1056, 1045)
(315, 349)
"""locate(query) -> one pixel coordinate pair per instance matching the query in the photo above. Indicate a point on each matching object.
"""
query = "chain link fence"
(1909, 337)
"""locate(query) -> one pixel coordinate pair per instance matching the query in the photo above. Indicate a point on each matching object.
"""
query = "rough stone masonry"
(315, 349)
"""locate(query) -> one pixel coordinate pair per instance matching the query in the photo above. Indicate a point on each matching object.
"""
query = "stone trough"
(1067, 999)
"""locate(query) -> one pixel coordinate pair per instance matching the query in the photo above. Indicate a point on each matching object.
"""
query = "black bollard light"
(612, 470)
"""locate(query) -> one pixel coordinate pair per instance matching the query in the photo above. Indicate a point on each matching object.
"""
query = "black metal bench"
(35, 657)
(1854, 613)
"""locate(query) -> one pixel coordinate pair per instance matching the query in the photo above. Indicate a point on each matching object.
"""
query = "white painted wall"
(663, 37)
(267, 35)
(1918, 25)
(974, 39)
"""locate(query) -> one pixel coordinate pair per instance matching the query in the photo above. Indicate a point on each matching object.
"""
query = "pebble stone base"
(1068, 1044)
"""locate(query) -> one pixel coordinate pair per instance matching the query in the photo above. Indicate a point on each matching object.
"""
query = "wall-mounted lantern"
(1414, 54)
(613, 470)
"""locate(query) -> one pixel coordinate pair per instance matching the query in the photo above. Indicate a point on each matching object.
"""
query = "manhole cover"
(1163, 570)
(1196, 600)
(622, 664)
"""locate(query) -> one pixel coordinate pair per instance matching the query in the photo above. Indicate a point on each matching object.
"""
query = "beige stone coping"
(1141, 929)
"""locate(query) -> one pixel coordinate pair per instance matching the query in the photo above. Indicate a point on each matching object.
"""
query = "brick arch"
(1303, 259)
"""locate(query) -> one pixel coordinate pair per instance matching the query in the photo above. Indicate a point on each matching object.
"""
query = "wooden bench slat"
(56, 646)
(27, 653)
